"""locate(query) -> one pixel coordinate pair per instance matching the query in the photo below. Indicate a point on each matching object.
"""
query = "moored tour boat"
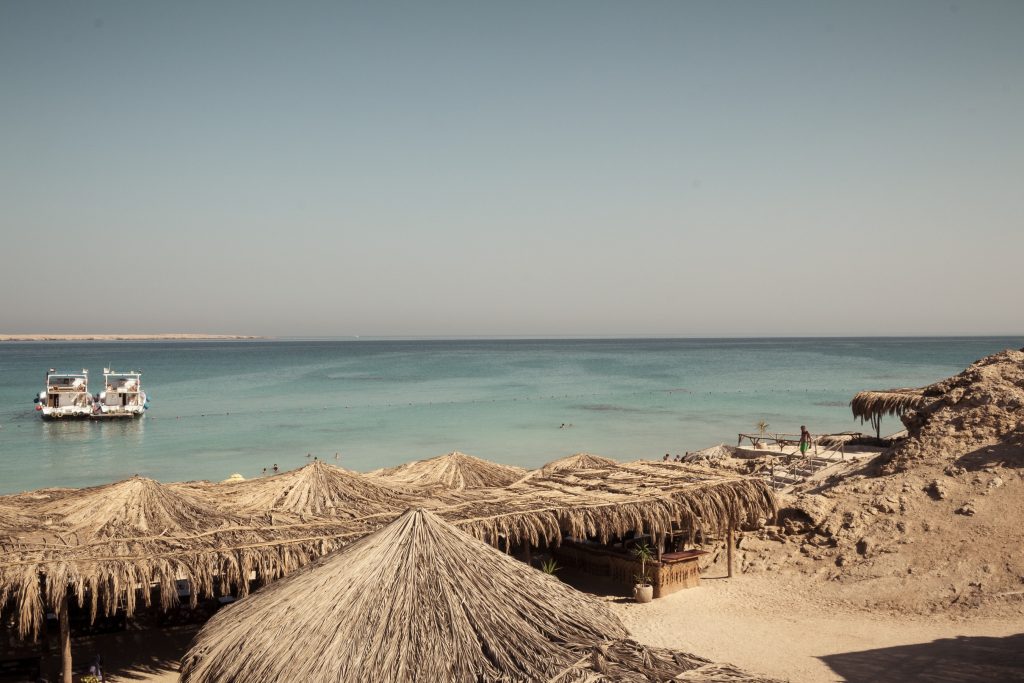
(66, 396)
(122, 395)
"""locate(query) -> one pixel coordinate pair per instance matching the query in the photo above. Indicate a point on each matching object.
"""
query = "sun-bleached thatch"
(135, 506)
(872, 406)
(318, 489)
(608, 502)
(454, 471)
(107, 544)
(578, 461)
(13, 518)
(712, 454)
(632, 662)
(418, 600)
(868, 404)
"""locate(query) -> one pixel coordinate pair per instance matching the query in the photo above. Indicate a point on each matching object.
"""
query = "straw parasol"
(318, 489)
(454, 471)
(871, 406)
(135, 506)
(418, 600)
(578, 461)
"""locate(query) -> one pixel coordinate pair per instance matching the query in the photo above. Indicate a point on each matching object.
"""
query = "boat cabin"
(122, 389)
(66, 390)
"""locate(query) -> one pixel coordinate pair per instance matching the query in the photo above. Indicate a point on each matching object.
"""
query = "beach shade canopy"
(454, 471)
(316, 490)
(106, 546)
(871, 406)
(610, 502)
(578, 461)
(104, 543)
(135, 507)
(418, 600)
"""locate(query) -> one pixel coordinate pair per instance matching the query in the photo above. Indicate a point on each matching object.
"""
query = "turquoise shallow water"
(223, 407)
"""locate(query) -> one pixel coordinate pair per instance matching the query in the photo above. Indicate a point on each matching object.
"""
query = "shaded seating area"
(120, 550)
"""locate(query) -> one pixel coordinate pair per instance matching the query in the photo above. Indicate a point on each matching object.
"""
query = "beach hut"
(454, 471)
(420, 600)
(872, 406)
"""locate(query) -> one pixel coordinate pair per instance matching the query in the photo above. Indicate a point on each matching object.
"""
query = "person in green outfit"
(805, 440)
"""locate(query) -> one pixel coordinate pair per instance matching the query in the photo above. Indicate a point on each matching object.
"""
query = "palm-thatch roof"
(318, 489)
(454, 471)
(628, 661)
(608, 502)
(135, 506)
(106, 543)
(867, 405)
(711, 454)
(578, 461)
(12, 518)
(418, 600)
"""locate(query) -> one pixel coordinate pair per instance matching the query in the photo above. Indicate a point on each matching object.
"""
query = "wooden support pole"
(729, 544)
(660, 542)
(528, 555)
(65, 639)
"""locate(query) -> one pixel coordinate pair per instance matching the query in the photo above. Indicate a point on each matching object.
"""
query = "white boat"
(66, 396)
(122, 395)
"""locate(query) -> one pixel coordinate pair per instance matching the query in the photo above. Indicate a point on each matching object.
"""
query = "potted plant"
(762, 427)
(643, 591)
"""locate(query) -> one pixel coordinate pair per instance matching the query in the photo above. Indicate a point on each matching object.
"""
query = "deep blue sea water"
(240, 406)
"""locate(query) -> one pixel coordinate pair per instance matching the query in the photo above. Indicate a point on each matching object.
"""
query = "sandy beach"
(768, 624)
(764, 623)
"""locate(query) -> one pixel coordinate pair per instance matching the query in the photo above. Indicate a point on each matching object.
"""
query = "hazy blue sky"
(720, 168)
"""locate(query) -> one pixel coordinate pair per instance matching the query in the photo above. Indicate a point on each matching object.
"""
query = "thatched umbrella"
(578, 461)
(871, 406)
(101, 543)
(454, 471)
(418, 600)
(133, 507)
(318, 489)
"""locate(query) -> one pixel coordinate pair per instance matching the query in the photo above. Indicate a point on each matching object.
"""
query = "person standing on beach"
(805, 440)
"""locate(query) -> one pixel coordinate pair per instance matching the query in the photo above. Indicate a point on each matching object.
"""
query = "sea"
(224, 407)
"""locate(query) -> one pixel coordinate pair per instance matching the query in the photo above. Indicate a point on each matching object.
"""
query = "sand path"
(764, 625)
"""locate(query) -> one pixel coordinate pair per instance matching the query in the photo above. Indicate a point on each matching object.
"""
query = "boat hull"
(78, 417)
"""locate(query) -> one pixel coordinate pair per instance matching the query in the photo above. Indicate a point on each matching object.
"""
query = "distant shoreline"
(121, 337)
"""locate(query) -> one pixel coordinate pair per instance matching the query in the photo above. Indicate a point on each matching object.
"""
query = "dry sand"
(765, 623)
(769, 624)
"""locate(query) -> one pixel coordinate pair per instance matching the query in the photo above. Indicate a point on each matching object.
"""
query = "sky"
(520, 168)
